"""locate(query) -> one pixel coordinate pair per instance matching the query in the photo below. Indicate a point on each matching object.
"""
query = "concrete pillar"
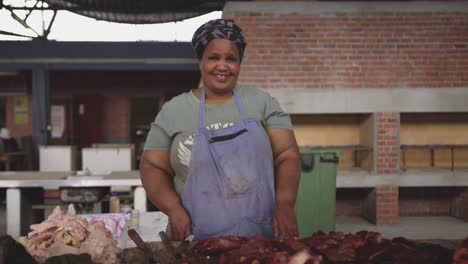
(41, 110)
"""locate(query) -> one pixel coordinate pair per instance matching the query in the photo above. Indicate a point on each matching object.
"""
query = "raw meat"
(219, 244)
(70, 234)
(336, 247)
(461, 255)
(230, 250)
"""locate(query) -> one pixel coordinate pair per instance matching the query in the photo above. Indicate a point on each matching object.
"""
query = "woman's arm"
(287, 162)
(156, 176)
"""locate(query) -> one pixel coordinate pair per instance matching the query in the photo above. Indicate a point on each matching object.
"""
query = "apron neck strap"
(202, 108)
(239, 104)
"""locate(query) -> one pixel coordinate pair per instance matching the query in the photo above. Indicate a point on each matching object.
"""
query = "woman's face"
(220, 65)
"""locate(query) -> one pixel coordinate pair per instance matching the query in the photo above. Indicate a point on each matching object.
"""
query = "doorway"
(90, 113)
(143, 112)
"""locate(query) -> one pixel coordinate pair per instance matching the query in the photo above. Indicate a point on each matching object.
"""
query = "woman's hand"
(180, 224)
(285, 222)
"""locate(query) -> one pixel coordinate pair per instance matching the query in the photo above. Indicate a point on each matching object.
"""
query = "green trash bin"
(316, 197)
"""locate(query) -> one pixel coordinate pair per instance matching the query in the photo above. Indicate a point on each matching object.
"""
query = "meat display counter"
(15, 182)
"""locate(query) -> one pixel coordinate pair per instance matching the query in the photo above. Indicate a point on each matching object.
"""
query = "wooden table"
(8, 158)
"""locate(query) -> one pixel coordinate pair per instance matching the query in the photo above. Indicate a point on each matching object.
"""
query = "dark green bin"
(316, 198)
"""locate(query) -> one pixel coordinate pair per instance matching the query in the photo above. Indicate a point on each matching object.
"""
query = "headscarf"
(218, 28)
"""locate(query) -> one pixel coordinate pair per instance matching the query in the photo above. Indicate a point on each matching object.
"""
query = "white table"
(17, 206)
(151, 223)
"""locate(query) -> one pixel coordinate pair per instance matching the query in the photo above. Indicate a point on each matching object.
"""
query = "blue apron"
(230, 184)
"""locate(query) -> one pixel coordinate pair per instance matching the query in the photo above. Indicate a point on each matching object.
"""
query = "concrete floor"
(422, 227)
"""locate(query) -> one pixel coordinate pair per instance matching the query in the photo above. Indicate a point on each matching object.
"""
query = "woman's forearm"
(287, 174)
(159, 188)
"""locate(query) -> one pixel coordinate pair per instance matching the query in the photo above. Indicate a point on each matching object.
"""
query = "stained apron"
(230, 184)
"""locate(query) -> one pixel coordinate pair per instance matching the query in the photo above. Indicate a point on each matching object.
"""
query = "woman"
(222, 159)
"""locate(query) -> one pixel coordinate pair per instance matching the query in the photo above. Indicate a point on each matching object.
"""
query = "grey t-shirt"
(175, 125)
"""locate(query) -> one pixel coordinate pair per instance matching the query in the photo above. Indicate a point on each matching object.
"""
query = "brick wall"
(460, 205)
(116, 120)
(291, 47)
(426, 201)
(350, 201)
(387, 142)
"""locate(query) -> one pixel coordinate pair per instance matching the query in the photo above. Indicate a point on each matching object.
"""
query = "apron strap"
(239, 104)
(202, 108)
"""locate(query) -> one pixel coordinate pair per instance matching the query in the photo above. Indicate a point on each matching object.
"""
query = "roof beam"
(97, 55)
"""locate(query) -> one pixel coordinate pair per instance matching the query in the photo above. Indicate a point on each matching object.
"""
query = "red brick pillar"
(381, 205)
(387, 143)
(460, 206)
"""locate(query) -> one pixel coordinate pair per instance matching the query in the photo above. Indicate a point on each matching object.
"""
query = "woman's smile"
(221, 77)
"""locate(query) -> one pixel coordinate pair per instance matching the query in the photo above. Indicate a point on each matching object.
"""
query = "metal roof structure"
(121, 11)
(56, 55)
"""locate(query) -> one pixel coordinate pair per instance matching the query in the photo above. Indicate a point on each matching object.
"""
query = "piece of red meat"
(270, 251)
(370, 237)
(461, 255)
(401, 251)
(339, 247)
(217, 245)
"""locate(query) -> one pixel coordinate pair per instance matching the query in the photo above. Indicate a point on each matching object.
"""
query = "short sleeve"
(159, 136)
(275, 116)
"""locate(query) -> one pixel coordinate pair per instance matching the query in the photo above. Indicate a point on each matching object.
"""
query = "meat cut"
(461, 255)
(333, 248)
(67, 233)
(230, 250)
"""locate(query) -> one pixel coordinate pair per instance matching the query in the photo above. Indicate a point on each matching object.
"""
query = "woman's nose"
(222, 65)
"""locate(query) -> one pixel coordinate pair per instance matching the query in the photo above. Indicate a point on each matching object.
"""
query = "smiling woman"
(222, 159)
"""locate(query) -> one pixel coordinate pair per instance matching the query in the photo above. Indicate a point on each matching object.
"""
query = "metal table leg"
(19, 211)
(13, 200)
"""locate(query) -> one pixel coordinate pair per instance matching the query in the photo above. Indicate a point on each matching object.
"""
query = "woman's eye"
(232, 59)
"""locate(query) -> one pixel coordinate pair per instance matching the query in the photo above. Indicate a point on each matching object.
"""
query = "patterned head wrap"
(218, 28)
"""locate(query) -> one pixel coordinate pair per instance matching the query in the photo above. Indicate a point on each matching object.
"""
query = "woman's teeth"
(221, 77)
